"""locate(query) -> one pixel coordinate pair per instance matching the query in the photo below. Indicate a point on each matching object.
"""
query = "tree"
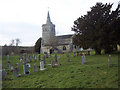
(17, 41)
(12, 42)
(38, 45)
(95, 29)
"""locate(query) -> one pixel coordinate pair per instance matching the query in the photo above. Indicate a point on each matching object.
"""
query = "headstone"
(16, 72)
(59, 61)
(55, 57)
(27, 59)
(74, 51)
(39, 57)
(8, 59)
(109, 60)
(44, 59)
(30, 57)
(84, 59)
(35, 57)
(26, 68)
(68, 58)
(4, 74)
(11, 68)
(35, 69)
(21, 60)
(42, 65)
(52, 63)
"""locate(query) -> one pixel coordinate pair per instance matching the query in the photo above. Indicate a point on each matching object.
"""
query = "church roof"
(48, 19)
(65, 36)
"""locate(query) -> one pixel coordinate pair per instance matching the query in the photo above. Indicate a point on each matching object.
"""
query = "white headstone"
(42, 65)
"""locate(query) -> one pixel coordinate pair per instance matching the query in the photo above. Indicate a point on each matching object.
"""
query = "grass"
(93, 74)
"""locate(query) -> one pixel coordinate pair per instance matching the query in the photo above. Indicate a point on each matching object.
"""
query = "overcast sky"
(23, 18)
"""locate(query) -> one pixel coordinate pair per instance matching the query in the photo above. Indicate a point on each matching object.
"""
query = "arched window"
(64, 48)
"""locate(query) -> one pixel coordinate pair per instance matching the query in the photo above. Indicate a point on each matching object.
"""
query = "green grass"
(93, 74)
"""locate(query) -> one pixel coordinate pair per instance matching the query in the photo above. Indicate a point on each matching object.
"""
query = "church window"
(64, 48)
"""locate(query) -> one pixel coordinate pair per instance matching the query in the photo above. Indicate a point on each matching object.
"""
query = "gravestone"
(26, 68)
(44, 59)
(21, 60)
(11, 68)
(59, 61)
(74, 51)
(84, 58)
(42, 65)
(68, 58)
(55, 57)
(39, 57)
(16, 72)
(35, 57)
(109, 60)
(8, 59)
(30, 58)
(27, 59)
(52, 63)
(35, 69)
(4, 74)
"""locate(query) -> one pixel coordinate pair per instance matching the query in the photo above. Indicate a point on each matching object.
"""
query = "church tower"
(48, 31)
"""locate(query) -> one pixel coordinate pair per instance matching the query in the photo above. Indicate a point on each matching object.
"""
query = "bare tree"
(17, 41)
(12, 42)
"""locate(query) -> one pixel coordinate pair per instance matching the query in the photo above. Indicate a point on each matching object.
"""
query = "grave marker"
(44, 59)
(109, 61)
(55, 57)
(35, 69)
(26, 68)
(39, 57)
(4, 74)
(16, 72)
(68, 59)
(42, 65)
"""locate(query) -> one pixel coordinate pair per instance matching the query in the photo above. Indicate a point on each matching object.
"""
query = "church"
(51, 43)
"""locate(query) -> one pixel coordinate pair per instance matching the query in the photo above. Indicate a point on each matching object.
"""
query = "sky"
(23, 19)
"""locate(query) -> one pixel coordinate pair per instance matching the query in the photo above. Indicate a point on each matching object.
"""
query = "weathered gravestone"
(35, 69)
(4, 74)
(26, 68)
(44, 59)
(52, 63)
(84, 58)
(16, 72)
(8, 59)
(55, 57)
(59, 61)
(42, 65)
(35, 57)
(109, 60)
(30, 58)
(11, 68)
(39, 57)
(68, 58)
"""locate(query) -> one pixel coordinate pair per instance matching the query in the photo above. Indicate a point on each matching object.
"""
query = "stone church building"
(51, 42)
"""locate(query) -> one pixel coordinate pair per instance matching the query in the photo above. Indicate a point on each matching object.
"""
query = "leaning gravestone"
(42, 65)
(109, 60)
(39, 57)
(55, 57)
(35, 69)
(16, 72)
(4, 74)
(26, 68)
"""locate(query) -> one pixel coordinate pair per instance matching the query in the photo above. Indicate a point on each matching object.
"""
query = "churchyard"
(68, 71)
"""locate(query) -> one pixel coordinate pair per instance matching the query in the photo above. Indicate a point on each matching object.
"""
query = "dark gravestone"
(44, 59)
(30, 58)
(4, 74)
(16, 72)
(35, 57)
(68, 58)
(35, 69)
(26, 68)
(55, 57)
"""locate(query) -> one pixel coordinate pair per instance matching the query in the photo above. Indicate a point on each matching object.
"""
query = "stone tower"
(48, 31)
